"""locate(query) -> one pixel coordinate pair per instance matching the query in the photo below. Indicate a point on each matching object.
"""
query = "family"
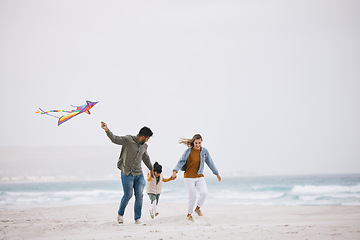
(134, 152)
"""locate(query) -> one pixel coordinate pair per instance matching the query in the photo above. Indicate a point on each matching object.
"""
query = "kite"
(71, 113)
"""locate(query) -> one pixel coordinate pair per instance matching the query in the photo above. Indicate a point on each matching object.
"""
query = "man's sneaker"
(120, 220)
(190, 218)
(151, 214)
(198, 211)
(139, 222)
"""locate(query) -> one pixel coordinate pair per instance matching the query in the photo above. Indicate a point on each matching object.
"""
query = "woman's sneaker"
(190, 218)
(151, 214)
(198, 211)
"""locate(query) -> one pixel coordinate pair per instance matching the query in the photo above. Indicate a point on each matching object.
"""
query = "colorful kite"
(72, 113)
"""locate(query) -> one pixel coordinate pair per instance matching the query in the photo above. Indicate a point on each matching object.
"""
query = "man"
(133, 151)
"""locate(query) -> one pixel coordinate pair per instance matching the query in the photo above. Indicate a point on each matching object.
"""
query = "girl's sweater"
(152, 186)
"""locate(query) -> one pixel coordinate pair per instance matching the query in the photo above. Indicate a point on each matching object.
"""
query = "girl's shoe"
(190, 218)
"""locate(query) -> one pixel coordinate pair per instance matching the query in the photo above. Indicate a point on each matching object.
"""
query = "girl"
(153, 187)
(192, 162)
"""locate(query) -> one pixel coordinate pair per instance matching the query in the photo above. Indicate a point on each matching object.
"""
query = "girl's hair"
(157, 167)
(190, 142)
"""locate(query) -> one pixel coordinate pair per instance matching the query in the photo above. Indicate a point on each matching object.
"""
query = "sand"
(219, 222)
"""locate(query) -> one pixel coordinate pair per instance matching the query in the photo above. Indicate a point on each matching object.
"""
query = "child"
(153, 188)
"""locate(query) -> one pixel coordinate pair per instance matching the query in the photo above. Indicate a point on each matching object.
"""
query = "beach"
(98, 221)
(281, 207)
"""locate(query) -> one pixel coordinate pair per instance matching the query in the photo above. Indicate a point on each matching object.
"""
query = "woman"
(192, 162)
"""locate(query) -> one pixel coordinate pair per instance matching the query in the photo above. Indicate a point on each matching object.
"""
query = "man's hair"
(146, 132)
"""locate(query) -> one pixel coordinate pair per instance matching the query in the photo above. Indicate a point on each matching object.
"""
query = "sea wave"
(10, 199)
(238, 191)
(312, 189)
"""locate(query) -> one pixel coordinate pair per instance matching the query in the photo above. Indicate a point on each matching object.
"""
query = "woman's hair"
(190, 142)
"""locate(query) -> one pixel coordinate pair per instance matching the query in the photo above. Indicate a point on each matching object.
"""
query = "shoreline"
(44, 179)
(219, 222)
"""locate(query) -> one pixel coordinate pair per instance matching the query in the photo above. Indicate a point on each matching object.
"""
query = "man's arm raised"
(104, 126)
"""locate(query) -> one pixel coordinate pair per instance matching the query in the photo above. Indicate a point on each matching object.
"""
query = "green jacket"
(132, 153)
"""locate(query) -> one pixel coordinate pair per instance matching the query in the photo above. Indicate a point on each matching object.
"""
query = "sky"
(272, 86)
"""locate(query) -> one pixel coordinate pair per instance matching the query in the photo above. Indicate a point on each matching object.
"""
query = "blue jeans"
(132, 184)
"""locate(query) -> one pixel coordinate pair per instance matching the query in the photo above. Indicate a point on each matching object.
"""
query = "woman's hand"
(218, 176)
(173, 176)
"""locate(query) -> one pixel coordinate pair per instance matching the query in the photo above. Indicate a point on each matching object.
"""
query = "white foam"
(306, 189)
(262, 192)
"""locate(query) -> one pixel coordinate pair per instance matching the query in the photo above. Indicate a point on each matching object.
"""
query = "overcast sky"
(272, 86)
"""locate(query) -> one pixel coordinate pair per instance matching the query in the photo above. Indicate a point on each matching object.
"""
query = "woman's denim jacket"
(204, 157)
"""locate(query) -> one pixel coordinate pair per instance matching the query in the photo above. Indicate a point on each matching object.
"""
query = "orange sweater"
(163, 179)
(193, 165)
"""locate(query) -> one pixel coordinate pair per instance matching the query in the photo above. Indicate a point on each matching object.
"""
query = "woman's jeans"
(132, 184)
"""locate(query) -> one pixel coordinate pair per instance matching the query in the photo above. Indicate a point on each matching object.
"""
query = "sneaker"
(151, 214)
(190, 218)
(156, 214)
(139, 222)
(198, 211)
(120, 220)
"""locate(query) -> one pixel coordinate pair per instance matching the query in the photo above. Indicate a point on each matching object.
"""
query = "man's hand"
(218, 176)
(104, 126)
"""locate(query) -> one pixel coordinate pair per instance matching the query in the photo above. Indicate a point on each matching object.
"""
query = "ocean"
(274, 190)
